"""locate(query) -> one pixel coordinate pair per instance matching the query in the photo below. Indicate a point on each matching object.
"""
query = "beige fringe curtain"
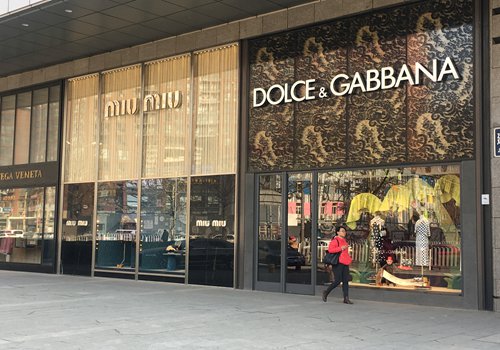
(119, 147)
(166, 131)
(171, 133)
(81, 128)
(215, 112)
(23, 126)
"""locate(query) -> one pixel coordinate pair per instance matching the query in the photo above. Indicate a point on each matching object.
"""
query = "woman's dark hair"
(337, 229)
(415, 216)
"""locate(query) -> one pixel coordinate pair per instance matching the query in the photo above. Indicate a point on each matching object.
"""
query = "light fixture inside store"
(68, 11)
(25, 25)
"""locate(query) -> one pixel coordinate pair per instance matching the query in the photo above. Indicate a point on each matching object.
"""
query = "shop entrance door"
(299, 237)
(285, 241)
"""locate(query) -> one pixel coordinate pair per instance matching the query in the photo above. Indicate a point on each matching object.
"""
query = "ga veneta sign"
(342, 84)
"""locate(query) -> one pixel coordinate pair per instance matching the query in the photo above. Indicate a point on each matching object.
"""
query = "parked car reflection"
(212, 254)
(270, 254)
(11, 233)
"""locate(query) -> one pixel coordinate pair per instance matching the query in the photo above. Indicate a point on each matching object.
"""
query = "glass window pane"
(77, 221)
(53, 133)
(81, 129)
(49, 227)
(21, 225)
(116, 225)
(215, 112)
(39, 126)
(166, 138)
(7, 123)
(119, 142)
(211, 234)
(299, 229)
(163, 226)
(403, 225)
(23, 126)
(269, 233)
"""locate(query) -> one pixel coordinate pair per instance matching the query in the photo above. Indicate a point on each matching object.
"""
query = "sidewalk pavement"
(42, 311)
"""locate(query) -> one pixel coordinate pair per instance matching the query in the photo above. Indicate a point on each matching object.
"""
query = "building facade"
(227, 156)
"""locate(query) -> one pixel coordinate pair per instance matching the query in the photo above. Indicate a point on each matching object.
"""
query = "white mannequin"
(422, 234)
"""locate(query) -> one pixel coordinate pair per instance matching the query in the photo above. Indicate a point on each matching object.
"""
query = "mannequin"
(376, 227)
(422, 234)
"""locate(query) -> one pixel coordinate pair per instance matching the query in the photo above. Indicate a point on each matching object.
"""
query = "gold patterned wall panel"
(272, 133)
(320, 130)
(340, 125)
(441, 116)
(376, 129)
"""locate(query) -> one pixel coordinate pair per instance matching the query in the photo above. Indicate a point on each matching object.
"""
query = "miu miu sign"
(153, 102)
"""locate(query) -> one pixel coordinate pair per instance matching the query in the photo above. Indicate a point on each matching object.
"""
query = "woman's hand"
(344, 247)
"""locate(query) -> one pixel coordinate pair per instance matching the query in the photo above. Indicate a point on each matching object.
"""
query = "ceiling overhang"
(63, 30)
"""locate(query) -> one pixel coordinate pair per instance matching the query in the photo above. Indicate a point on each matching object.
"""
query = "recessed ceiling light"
(25, 25)
(68, 10)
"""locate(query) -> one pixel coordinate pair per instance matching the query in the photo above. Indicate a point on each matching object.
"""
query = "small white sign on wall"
(485, 199)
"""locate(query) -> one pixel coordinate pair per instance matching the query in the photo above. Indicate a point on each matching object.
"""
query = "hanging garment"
(363, 202)
(448, 188)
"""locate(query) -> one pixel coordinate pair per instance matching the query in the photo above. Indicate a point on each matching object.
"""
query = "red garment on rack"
(7, 245)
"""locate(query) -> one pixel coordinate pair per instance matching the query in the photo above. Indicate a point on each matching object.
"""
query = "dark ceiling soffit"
(55, 36)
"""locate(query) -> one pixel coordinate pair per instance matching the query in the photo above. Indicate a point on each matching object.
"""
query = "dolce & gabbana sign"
(152, 102)
(342, 84)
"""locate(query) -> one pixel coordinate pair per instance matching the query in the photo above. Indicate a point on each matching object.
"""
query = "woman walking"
(341, 270)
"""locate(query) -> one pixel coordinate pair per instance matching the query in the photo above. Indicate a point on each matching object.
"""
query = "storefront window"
(81, 129)
(49, 227)
(163, 226)
(23, 126)
(22, 228)
(27, 213)
(7, 123)
(215, 112)
(188, 111)
(298, 254)
(116, 225)
(39, 126)
(53, 133)
(211, 234)
(77, 222)
(403, 225)
(119, 124)
(269, 246)
(166, 120)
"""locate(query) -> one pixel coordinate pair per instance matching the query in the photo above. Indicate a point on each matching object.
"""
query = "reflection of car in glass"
(11, 233)
(229, 237)
(270, 254)
(32, 235)
(206, 253)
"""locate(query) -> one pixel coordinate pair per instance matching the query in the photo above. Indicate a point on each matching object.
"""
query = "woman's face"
(342, 232)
